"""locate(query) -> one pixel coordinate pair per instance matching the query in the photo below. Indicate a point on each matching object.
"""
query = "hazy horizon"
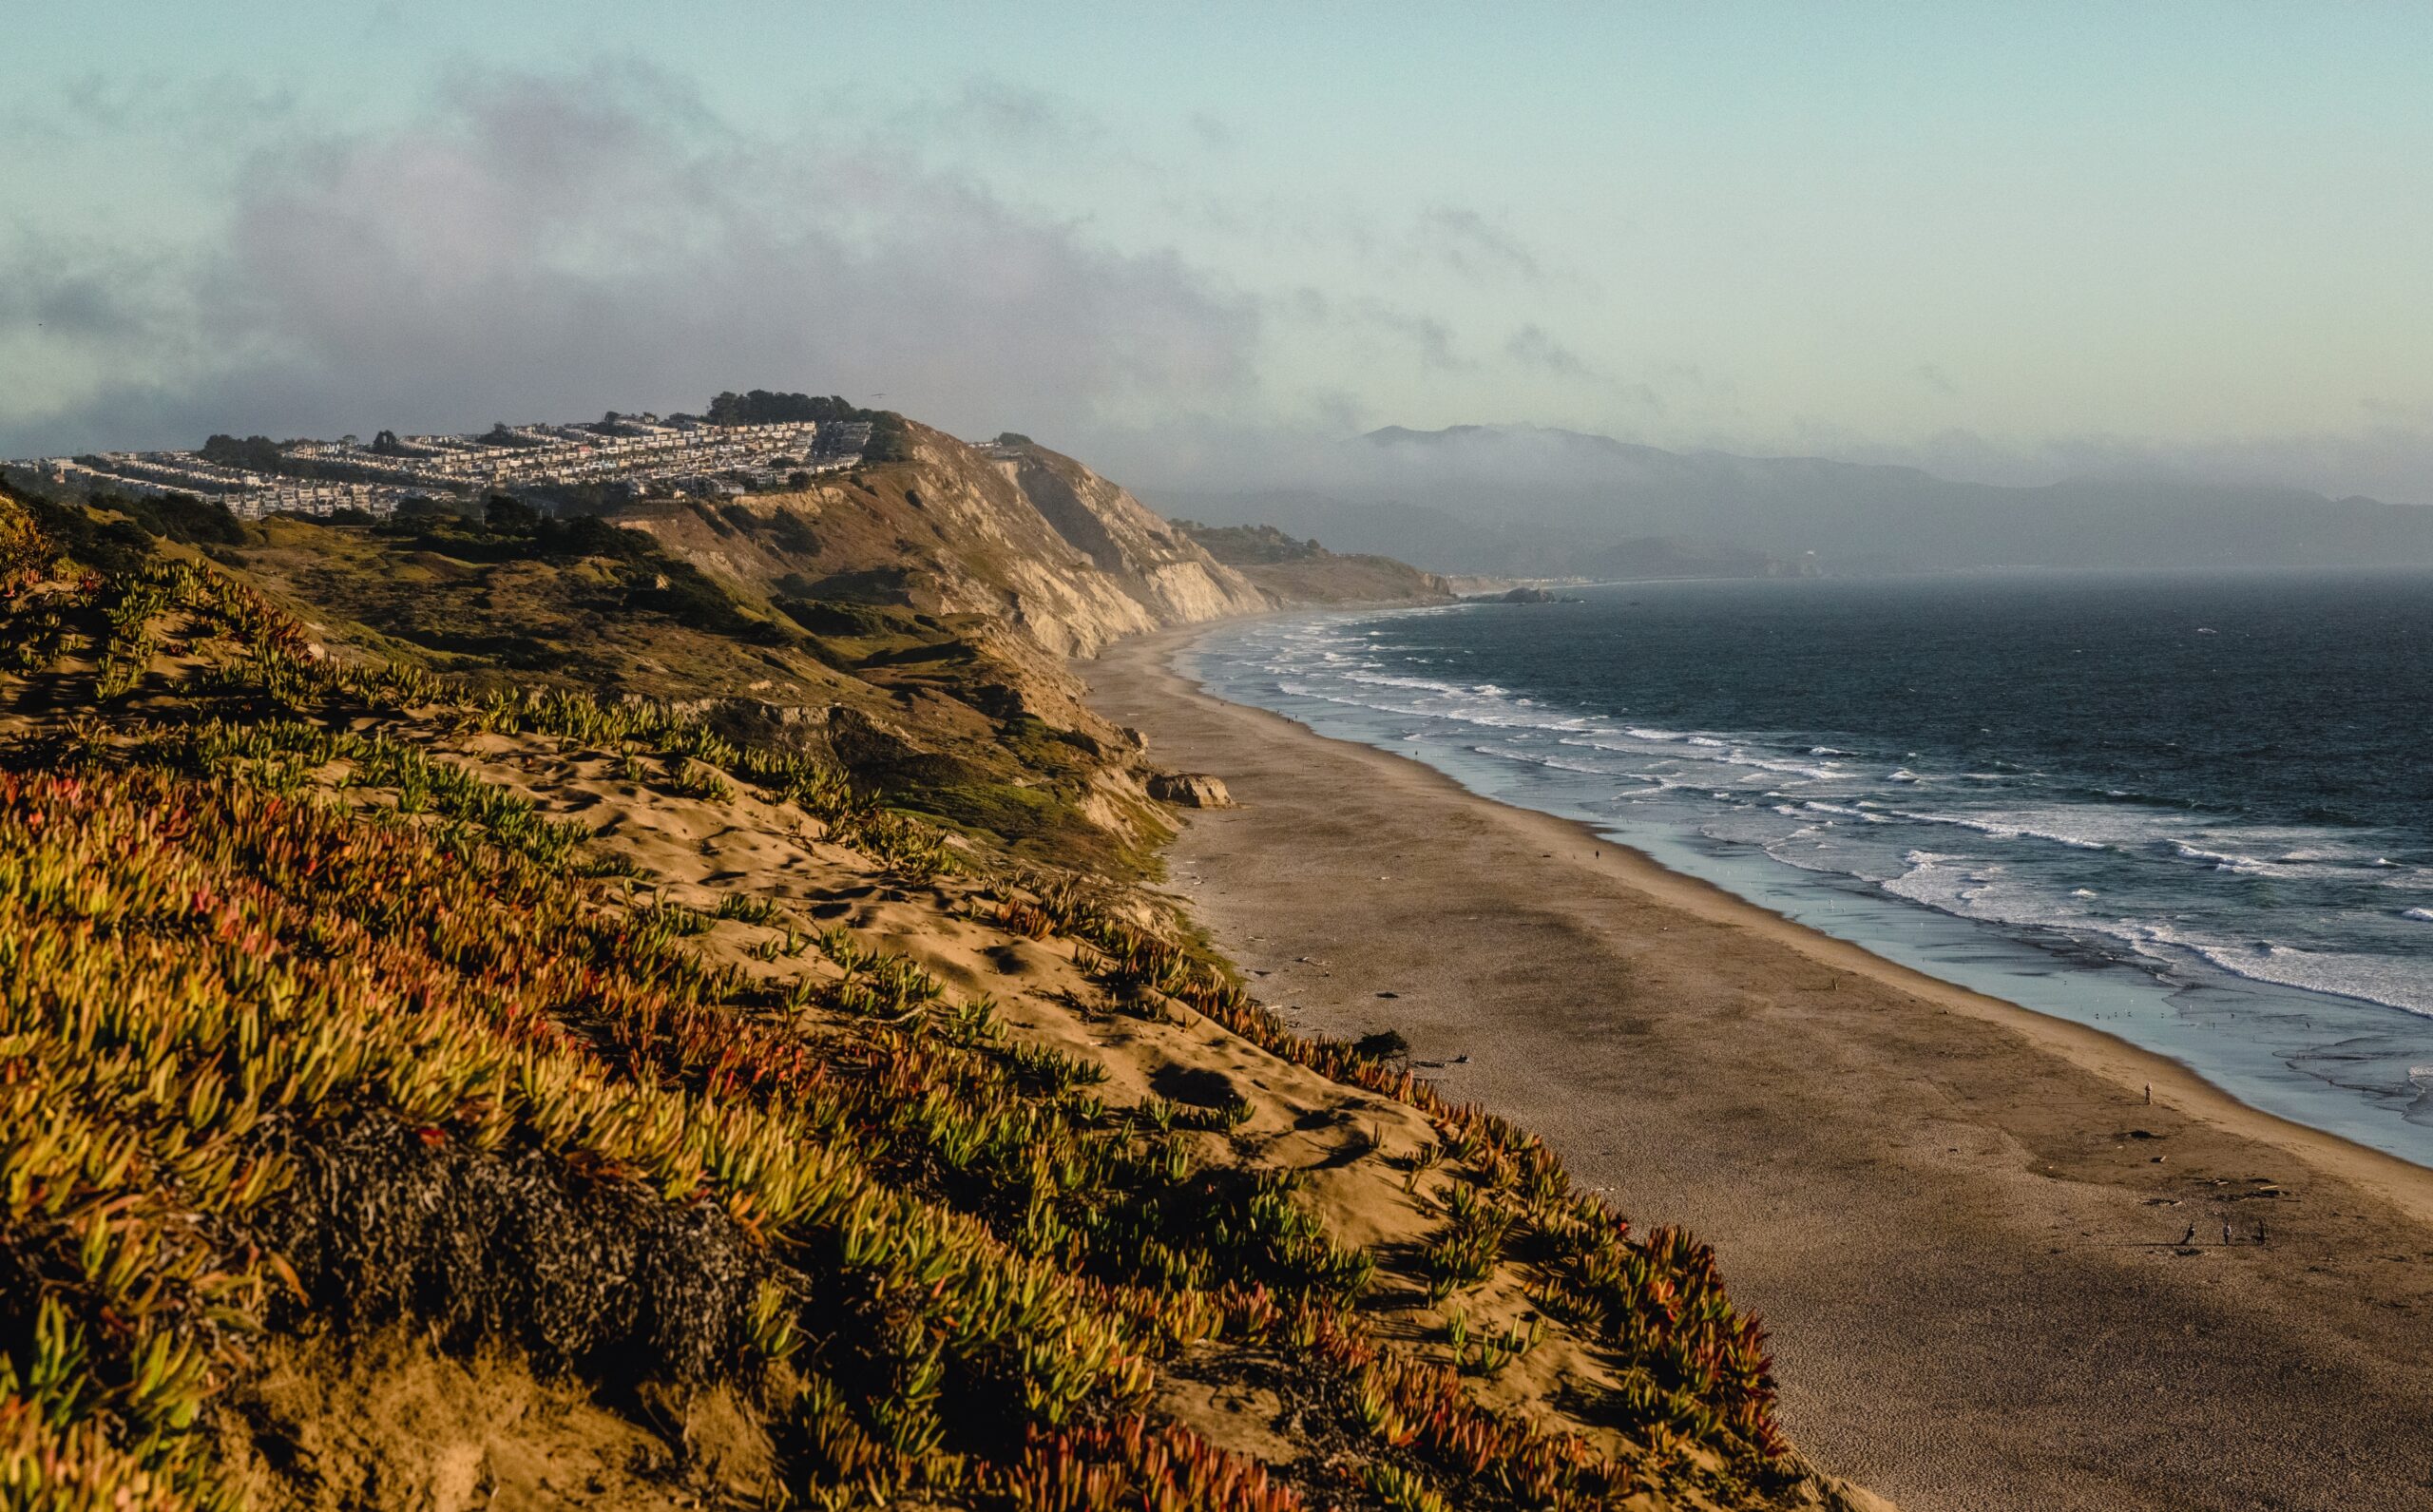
(684, 835)
(1193, 248)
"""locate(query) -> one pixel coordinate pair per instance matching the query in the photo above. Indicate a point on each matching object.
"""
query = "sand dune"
(1350, 1147)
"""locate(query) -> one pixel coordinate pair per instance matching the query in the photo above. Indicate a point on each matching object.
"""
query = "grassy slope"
(367, 1039)
(946, 713)
(1305, 572)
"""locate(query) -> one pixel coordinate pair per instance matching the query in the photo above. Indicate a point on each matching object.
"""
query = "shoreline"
(1804, 1103)
(2127, 1065)
(2345, 1054)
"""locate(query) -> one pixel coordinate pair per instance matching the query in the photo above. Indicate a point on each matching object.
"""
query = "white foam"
(1797, 769)
(1531, 758)
(2369, 978)
(1841, 811)
(1386, 680)
(2223, 860)
(2324, 862)
(2011, 826)
(1967, 887)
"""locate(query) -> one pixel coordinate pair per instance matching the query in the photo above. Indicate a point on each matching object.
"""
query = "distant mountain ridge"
(1537, 501)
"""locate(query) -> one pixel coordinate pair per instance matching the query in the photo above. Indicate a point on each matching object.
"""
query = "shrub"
(1382, 1044)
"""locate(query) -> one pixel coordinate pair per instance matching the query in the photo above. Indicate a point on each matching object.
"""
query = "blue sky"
(2005, 241)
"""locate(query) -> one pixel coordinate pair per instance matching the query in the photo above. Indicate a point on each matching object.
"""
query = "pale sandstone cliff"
(1018, 533)
(1155, 562)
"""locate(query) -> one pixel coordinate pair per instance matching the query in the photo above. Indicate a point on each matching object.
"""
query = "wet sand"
(1959, 1219)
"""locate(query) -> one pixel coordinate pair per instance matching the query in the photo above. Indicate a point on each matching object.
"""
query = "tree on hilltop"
(761, 407)
(252, 453)
(503, 515)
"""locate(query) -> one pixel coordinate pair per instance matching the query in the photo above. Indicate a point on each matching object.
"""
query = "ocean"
(2194, 811)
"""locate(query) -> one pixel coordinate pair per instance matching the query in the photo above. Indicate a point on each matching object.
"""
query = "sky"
(2005, 242)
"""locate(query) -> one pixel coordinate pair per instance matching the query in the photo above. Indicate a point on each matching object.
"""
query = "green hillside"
(392, 1030)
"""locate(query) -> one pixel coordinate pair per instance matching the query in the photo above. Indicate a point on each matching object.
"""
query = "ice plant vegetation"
(313, 1020)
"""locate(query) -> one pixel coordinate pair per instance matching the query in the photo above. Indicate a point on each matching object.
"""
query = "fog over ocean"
(2194, 809)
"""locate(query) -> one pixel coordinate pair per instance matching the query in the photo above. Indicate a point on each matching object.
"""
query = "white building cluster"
(627, 456)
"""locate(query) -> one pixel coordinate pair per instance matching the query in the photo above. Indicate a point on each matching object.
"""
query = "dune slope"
(425, 1088)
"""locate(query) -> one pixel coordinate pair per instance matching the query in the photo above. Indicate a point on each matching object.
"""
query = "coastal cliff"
(1161, 566)
(1306, 572)
(1015, 532)
(653, 1010)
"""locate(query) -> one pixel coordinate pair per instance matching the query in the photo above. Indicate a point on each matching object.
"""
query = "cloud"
(1210, 130)
(1531, 347)
(1534, 347)
(86, 293)
(76, 107)
(1004, 113)
(1473, 246)
(2398, 413)
(1366, 316)
(1934, 379)
(2389, 461)
(556, 244)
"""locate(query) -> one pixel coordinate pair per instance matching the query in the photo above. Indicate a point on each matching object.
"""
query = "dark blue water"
(2196, 810)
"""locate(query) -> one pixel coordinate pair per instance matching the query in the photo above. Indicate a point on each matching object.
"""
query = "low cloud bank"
(555, 245)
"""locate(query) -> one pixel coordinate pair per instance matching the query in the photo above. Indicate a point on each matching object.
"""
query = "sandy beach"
(1961, 1221)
